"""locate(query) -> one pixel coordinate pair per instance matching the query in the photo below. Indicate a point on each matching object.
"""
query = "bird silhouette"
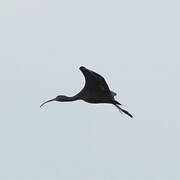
(95, 90)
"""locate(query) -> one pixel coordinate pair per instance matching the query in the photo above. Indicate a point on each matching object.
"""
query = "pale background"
(134, 44)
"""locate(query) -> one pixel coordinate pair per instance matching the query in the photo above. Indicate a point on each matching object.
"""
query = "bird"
(95, 90)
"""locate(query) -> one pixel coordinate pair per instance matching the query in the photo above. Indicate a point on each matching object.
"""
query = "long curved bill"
(48, 101)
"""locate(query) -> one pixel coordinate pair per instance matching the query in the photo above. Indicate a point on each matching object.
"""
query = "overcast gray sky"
(134, 44)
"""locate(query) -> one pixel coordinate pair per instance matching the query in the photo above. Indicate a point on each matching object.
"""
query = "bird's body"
(95, 90)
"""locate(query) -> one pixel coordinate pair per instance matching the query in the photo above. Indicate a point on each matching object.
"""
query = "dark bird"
(95, 90)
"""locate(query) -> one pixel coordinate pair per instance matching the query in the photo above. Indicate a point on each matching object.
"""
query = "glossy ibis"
(95, 90)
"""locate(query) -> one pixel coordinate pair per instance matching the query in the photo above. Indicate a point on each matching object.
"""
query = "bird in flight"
(95, 90)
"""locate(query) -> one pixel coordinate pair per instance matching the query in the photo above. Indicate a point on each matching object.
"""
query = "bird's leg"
(124, 111)
(118, 108)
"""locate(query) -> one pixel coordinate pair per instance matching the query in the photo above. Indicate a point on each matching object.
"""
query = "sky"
(134, 45)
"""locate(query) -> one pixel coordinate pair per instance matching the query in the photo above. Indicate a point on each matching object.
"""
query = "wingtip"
(82, 67)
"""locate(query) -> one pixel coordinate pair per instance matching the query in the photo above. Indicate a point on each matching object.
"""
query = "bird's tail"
(123, 110)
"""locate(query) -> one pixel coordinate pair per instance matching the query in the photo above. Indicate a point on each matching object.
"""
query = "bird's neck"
(72, 98)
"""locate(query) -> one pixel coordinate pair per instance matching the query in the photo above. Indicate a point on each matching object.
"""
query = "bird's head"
(59, 98)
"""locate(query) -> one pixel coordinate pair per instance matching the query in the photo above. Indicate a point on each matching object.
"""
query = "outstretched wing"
(95, 83)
